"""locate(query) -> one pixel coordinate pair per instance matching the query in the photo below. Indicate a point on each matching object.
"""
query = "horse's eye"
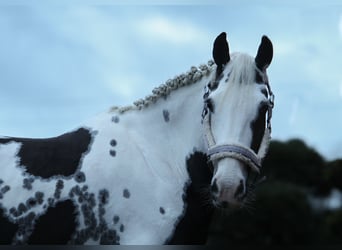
(210, 105)
(264, 92)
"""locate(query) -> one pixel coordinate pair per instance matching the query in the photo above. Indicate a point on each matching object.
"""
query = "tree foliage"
(293, 162)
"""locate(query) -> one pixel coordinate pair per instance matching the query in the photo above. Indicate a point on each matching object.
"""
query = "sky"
(62, 63)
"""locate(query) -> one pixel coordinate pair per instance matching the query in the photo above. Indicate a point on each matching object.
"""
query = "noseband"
(236, 150)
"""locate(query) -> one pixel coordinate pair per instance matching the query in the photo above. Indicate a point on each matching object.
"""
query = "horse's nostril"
(240, 190)
(214, 187)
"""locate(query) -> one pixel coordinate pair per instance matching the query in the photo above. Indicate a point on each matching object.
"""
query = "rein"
(235, 150)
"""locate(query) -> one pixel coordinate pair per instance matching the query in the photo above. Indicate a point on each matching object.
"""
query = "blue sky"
(62, 63)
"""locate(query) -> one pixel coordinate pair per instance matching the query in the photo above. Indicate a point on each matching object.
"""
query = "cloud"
(126, 87)
(177, 32)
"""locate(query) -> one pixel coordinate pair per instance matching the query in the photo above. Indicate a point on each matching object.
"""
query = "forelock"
(243, 69)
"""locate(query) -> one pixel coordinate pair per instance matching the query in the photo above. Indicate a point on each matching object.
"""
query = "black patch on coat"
(258, 127)
(56, 226)
(7, 229)
(52, 156)
(194, 226)
(162, 210)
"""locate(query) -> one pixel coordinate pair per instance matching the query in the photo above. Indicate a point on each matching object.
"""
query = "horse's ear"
(265, 54)
(221, 51)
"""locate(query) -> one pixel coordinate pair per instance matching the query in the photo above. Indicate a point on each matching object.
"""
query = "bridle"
(236, 150)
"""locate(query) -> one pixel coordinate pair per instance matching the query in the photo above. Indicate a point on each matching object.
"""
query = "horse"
(149, 173)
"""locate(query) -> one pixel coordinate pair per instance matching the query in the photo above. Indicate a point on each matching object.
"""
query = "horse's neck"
(171, 128)
(151, 148)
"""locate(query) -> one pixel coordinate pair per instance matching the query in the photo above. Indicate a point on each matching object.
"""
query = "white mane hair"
(190, 77)
(243, 68)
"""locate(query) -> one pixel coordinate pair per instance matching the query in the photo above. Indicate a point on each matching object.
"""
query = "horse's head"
(236, 119)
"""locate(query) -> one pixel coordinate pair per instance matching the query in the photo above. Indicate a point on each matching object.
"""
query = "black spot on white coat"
(166, 115)
(59, 188)
(116, 219)
(112, 152)
(103, 196)
(122, 228)
(115, 119)
(113, 143)
(39, 197)
(27, 183)
(126, 193)
(80, 177)
(5, 189)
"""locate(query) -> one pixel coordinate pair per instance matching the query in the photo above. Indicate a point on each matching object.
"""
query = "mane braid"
(190, 77)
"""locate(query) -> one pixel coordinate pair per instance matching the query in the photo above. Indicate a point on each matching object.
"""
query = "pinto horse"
(137, 174)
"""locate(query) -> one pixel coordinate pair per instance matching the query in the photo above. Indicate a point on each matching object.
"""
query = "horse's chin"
(225, 204)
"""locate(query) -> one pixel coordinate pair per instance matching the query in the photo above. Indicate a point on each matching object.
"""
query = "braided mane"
(190, 77)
